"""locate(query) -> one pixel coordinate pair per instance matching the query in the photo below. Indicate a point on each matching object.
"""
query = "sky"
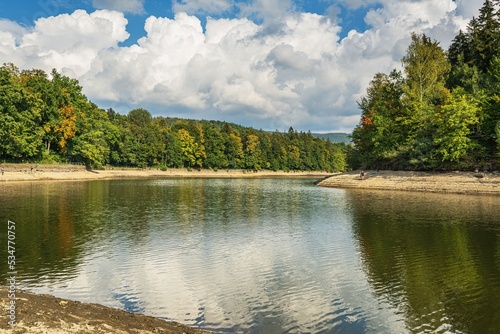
(269, 64)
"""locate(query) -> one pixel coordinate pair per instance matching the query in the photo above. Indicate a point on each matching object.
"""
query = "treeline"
(46, 119)
(444, 112)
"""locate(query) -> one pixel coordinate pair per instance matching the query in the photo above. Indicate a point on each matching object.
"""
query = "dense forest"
(443, 111)
(48, 119)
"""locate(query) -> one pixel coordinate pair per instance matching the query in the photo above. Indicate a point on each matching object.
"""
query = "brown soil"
(47, 314)
(452, 182)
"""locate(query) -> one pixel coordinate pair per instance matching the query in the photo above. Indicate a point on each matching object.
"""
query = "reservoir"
(261, 255)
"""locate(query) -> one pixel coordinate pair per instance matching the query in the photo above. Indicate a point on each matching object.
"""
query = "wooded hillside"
(48, 119)
(443, 110)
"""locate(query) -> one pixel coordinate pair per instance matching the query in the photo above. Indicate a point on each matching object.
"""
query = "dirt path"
(50, 315)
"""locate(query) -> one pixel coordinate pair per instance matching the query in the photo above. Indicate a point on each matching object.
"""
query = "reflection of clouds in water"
(266, 255)
(292, 265)
(300, 280)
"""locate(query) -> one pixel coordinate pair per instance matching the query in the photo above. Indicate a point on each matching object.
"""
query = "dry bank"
(449, 182)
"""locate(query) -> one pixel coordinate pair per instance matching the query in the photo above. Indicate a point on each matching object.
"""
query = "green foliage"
(140, 118)
(214, 146)
(188, 148)
(20, 114)
(253, 158)
(234, 150)
(379, 135)
(426, 70)
(173, 152)
(90, 145)
(444, 113)
(49, 119)
(485, 33)
(455, 125)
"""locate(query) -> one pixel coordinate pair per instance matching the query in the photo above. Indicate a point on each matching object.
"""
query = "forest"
(47, 119)
(442, 111)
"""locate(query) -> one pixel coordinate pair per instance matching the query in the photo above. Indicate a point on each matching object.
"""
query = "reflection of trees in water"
(65, 226)
(46, 231)
(433, 257)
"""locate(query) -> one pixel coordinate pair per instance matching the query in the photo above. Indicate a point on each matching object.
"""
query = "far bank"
(26, 172)
(449, 182)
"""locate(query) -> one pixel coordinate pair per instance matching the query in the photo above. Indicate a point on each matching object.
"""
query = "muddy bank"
(452, 182)
(23, 172)
(47, 314)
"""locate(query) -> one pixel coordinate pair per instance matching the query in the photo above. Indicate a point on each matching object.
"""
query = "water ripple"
(268, 256)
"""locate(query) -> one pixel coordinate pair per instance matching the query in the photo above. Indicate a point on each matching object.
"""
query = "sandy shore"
(50, 315)
(60, 172)
(452, 182)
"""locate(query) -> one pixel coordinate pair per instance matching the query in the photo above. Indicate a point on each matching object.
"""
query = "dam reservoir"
(271, 255)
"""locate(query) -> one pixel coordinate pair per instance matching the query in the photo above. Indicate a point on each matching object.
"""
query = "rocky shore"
(450, 182)
(50, 315)
(25, 172)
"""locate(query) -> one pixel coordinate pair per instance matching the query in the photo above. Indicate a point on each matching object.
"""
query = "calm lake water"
(262, 255)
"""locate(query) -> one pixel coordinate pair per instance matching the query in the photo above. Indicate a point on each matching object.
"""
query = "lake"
(262, 255)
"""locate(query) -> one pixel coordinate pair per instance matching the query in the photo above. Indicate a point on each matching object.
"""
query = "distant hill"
(218, 124)
(335, 137)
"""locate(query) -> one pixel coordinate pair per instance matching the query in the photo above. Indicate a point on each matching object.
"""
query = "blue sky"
(269, 64)
(31, 10)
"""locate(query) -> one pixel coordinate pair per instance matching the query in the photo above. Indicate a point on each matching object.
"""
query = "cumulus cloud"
(125, 6)
(268, 11)
(295, 71)
(11, 34)
(70, 43)
(15, 30)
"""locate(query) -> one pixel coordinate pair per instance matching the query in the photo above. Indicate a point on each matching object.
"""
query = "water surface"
(262, 255)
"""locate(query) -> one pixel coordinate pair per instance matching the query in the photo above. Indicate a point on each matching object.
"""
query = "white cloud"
(294, 71)
(125, 6)
(10, 36)
(13, 29)
(68, 42)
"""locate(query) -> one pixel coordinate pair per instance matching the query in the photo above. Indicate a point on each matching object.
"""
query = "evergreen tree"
(486, 36)
(460, 50)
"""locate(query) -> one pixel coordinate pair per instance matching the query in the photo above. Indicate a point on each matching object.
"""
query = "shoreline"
(40, 313)
(445, 182)
(22, 173)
